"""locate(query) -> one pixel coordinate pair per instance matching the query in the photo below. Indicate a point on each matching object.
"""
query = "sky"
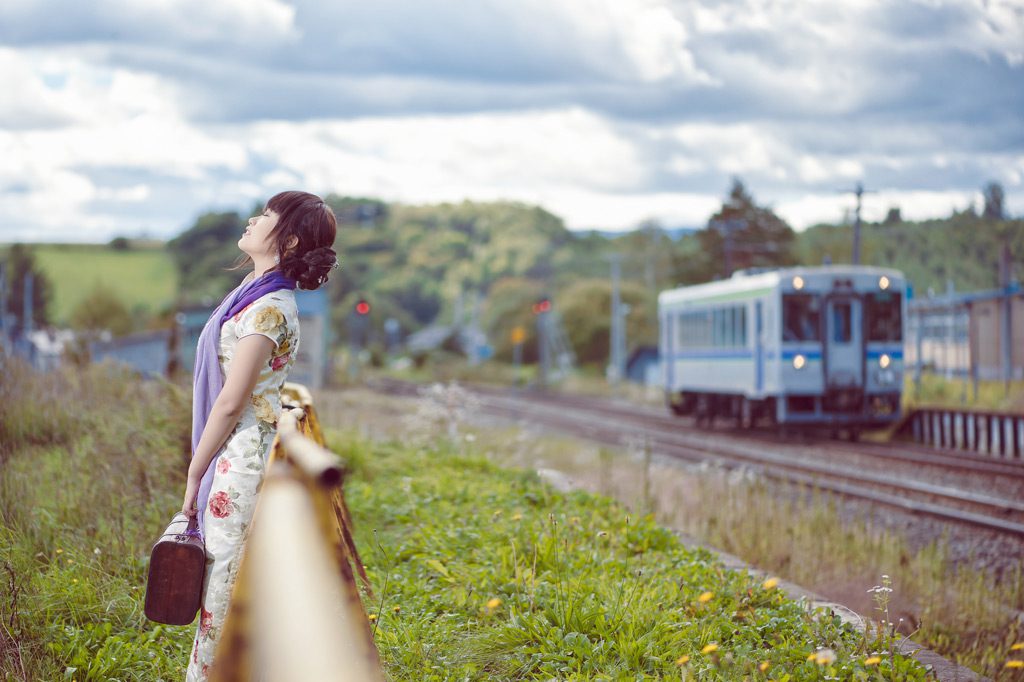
(132, 117)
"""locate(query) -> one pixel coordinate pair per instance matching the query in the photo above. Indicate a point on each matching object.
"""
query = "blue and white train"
(816, 346)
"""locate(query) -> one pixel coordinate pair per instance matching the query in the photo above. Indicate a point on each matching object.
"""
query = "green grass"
(966, 615)
(145, 279)
(485, 573)
(92, 465)
(938, 391)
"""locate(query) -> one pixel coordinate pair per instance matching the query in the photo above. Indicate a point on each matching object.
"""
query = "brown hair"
(312, 222)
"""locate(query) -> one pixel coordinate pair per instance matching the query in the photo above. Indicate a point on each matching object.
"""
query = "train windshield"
(884, 316)
(801, 317)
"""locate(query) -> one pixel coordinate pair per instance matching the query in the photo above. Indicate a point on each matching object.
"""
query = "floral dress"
(241, 462)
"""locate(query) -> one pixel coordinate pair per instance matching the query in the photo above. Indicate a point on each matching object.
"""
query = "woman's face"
(256, 240)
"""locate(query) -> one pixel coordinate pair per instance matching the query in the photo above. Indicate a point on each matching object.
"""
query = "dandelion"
(873, 660)
(763, 666)
(71, 561)
(74, 580)
(709, 648)
(60, 551)
(1017, 647)
(396, 609)
(372, 617)
(824, 657)
(706, 597)
(494, 603)
(517, 517)
(770, 583)
(682, 660)
(811, 656)
(1013, 663)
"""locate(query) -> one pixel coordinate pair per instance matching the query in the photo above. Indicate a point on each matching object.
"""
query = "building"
(968, 334)
(312, 366)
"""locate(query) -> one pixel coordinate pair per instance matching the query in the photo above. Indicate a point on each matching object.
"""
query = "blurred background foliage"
(424, 265)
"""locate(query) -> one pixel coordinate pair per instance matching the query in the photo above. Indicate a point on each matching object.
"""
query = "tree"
(585, 307)
(894, 216)
(743, 235)
(21, 262)
(994, 202)
(102, 309)
(205, 251)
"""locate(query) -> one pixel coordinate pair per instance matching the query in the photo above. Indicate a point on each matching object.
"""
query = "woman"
(244, 354)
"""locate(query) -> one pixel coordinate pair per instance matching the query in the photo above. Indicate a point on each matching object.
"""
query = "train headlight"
(884, 361)
(883, 282)
(798, 282)
(799, 361)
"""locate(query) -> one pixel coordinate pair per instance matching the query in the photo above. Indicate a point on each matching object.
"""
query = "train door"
(844, 347)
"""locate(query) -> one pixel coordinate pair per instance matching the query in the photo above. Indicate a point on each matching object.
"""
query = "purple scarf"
(207, 380)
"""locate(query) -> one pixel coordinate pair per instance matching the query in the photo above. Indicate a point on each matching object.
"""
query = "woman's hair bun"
(311, 268)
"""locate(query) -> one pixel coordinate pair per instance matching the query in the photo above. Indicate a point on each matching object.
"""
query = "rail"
(997, 434)
(295, 612)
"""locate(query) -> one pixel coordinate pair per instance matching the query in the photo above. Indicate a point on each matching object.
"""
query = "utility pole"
(859, 192)
(26, 306)
(617, 342)
(1005, 327)
(3, 305)
(542, 310)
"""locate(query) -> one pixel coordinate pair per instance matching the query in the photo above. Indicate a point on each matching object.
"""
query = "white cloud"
(809, 209)
(124, 114)
(28, 102)
(454, 156)
(257, 23)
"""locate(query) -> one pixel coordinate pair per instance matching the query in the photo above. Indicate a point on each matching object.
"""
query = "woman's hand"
(188, 506)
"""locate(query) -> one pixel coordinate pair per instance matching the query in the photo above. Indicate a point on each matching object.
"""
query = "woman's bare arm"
(252, 353)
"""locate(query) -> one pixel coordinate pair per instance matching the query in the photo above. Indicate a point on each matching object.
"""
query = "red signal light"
(362, 308)
(542, 306)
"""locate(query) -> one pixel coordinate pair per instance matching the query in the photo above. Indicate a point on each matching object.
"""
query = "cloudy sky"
(132, 116)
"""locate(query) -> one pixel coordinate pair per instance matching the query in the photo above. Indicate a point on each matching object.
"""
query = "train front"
(842, 347)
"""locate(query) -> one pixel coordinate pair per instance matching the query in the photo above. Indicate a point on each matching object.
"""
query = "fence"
(295, 611)
(999, 434)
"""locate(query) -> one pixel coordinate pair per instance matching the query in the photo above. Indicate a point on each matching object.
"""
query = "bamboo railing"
(295, 611)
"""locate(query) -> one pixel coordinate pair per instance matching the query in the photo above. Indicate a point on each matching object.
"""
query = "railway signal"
(362, 307)
(543, 305)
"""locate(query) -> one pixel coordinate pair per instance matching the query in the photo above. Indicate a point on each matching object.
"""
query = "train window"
(800, 317)
(885, 317)
(741, 326)
(842, 311)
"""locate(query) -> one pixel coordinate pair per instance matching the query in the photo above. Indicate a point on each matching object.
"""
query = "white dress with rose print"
(242, 462)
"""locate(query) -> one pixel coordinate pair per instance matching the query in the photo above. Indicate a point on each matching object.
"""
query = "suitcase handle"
(192, 529)
(193, 526)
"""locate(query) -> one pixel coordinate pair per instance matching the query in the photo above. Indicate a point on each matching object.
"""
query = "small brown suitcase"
(177, 564)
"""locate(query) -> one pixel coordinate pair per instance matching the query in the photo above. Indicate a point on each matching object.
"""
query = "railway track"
(609, 423)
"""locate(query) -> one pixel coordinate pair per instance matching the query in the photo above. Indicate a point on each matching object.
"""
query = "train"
(800, 348)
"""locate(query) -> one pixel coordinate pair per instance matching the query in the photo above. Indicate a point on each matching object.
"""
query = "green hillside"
(422, 264)
(145, 279)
